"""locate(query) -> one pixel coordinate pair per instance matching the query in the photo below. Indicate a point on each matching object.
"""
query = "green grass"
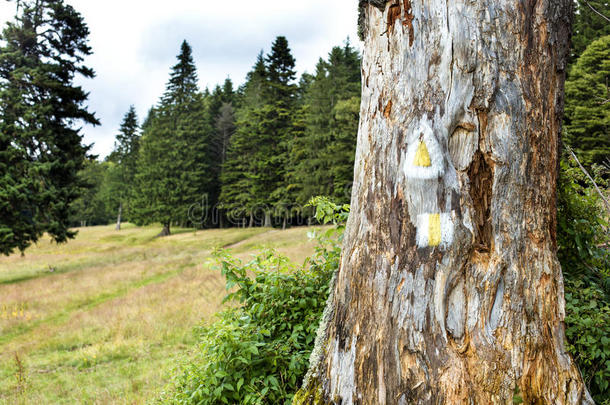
(105, 318)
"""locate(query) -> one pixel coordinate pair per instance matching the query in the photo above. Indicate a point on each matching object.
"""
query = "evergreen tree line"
(249, 156)
(255, 155)
(587, 89)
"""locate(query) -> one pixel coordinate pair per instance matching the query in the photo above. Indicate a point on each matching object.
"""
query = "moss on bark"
(311, 394)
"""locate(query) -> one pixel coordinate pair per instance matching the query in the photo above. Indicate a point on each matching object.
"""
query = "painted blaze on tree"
(449, 289)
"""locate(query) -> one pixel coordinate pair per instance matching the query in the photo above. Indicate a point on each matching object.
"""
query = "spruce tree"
(91, 207)
(254, 172)
(292, 142)
(173, 170)
(127, 140)
(213, 105)
(275, 132)
(237, 198)
(323, 153)
(587, 110)
(228, 94)
(124, 156)
(238, 174)
(41, 149)
(252, 92)
(342, 150)
(589, 25)
(280, 72)
(182, 88)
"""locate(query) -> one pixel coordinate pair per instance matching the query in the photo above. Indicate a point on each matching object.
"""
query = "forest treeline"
(251, 155)
(247, 155)
(254, 155)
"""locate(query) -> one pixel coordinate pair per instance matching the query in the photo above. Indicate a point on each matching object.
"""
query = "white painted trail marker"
(425, 165)
(424, 158)
(434, 230)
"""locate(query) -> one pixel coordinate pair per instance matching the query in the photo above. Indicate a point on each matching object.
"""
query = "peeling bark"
(449, 289)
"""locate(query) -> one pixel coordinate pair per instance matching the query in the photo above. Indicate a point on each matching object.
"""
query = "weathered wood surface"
(479, 314)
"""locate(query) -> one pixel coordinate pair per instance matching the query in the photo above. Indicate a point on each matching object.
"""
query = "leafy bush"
(588, 324)
(582, 226)
(582, 238)
(258, 352)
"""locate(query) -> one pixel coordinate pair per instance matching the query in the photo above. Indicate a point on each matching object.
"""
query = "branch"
(590, 178)
(595, 11)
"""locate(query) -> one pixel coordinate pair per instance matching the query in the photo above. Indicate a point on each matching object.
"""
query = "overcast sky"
(135, 42)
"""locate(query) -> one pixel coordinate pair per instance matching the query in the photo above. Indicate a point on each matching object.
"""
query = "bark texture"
(449, 289)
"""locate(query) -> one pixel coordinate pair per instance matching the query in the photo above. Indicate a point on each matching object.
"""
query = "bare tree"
(225, 124)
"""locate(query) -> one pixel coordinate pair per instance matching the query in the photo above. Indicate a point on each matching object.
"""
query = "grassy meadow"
(105, 318)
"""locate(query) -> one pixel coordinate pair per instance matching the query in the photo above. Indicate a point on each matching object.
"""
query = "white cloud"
(135, 43)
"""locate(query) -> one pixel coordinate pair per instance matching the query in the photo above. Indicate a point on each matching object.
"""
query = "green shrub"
(582, 240)
(588, 324)
(258, 352)
(582, 226)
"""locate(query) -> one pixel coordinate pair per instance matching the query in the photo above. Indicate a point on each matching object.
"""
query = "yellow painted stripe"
(422, 156)
(434, 229)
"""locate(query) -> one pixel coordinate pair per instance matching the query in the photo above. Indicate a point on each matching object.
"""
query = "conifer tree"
(591, 22)
(252, 91)
(91, 207)
(275, 132)
(228, 94)
(173, 166)
(219, 137)
(41, 149)
(256, 167)
(126, 144)
(237, 176)
(326, 147)
(280, 72)
(146, 124)
(587, 111)
(124, 156)
(342, 150)
(182, 88)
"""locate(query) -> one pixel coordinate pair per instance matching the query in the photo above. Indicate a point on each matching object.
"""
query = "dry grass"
(106, 317)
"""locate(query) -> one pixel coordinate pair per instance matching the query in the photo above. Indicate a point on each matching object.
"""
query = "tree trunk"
(449, 289)
(165, 231)
(118, 219)
(251, 221)
(267, 223)
(283, 223)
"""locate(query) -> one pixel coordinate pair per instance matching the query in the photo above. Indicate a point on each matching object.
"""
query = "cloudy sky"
(135, 42)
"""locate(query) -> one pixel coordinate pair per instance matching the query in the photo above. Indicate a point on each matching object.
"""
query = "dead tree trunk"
(118, 218)
(449, 290)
